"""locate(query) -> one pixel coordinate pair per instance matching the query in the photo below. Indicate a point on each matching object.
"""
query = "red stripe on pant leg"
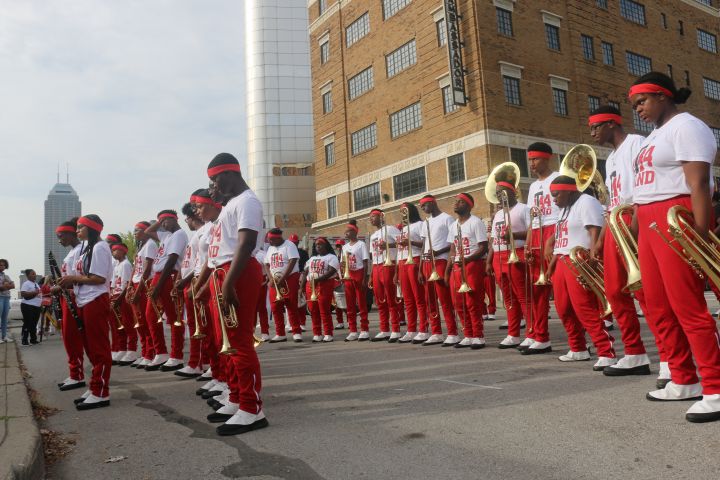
(560, 281)
(73, 341)
(96, 318)
(444, 296)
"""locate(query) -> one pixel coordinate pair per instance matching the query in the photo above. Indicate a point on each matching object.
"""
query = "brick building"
(389, 119)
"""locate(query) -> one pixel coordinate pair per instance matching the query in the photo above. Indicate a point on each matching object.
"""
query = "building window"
(327, 102)
(663, 21)
(504, 21)
(687, 78)
(601, 4)
(330, 154)
(409, 183)
(519, 157)
(441, 29)
(401, 59)
(360, 83)
(615, 105)
(588, 47)
(716, 133)
(608, 55)
(560, 101)
(705, 2)
(712, 88)
(638, 64)
(367, 196)
(633, 11)
(449, 105)
(364, 139)
(357, 29)
(391, 7)
(681, 27)
(456, 168)
(552, 36)
(324, 52)
(405, 120)
(332, 207)
(512, 90)
(593, 103)
(707, 41)
(322, 6)
(640, 125)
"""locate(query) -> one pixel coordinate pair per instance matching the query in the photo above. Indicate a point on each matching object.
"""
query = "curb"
(21, 449)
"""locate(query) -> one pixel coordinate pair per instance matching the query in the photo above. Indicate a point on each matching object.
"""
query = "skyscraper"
(61, 205)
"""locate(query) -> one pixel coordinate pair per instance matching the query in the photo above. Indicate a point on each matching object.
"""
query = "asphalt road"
(382, 411)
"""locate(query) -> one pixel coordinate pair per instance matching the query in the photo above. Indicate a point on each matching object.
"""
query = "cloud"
(136, 95)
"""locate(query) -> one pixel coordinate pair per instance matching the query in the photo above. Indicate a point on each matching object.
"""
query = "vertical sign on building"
(457, 71)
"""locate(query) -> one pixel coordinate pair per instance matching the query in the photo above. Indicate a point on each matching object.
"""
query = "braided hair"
(93, 239)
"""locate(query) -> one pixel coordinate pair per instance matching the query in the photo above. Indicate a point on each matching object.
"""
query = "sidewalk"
(21, 452)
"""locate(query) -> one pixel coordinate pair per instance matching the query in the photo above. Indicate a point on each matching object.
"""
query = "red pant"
(385, 297)
(539, 294)
(147, 349)
(320, 310)
(468, 305)
(579, 311)
(129, 323)
(245, 380)
(118, 336)
(513, 286)
(491, 306)
(652, 324)
(356, 300)
(414, 296)
(289, 302)
(96, 317)
(151, 321)
(214, 339)
(261, 310)
(439, 291)
(73, 341)
(195, 343)
(675, 297)
(177, 333)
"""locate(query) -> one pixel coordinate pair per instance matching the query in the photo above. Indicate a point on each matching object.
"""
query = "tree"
(128, 239)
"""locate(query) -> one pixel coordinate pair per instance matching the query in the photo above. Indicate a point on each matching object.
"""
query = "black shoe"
(535, 351)
(212, 401)
(599, 369)
(393, 340)
(210, 394)
(503, 327)
(200, 378)
(477, 346)
(702, 417)
(653, 399)
(216, 406)
(218, 417)
(165, 368)
(278, 341)
(661, 382)
(522, 348)
(91, 406)
(34, 342)
(25, 343)
(78, 401)
(187, 375)
(200, 391)
(153, 368)
(73, 386)
(226, 429)
(620, 372)
(383, 339)
(126, 363)
(507, 347)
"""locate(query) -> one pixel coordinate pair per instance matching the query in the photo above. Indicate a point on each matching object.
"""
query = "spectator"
(5, 286)
(30, 307)
(303, 253)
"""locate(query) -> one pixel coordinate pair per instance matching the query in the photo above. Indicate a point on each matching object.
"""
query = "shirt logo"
(466, 245)
(543, 203)
(215, 239)
(561, 234)
(500, 233)
(614, 189)
(643, 167)
(317, 266)
(277, 260)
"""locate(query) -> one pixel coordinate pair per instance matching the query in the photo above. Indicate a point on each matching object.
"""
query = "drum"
(340, 299)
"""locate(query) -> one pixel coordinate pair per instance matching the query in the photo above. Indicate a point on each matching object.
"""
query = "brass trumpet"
(156, 307)
(346, 257)
(464, 287)
(226, 316)
(178, 302)
(590, 275)
(626, 244)
(542, 277)
(405, 214)
(129, 293)
(434, 277)
(115, 307)
(198, 310)
(280, 292)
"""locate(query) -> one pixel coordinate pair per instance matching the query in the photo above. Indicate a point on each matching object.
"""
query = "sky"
(136, 95)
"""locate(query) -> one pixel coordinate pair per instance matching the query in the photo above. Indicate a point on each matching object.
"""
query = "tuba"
(509, 172)
(626, 244)
(590, 275)
(580, 163)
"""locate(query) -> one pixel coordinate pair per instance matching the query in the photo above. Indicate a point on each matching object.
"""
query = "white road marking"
(468, 384)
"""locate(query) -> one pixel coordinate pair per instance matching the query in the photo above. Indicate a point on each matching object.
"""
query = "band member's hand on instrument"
(549, 247)
(421, 277)
(596, 251)
(55, 289)
(265, 281)
(551, 267)
(229, 296)
(68, 281)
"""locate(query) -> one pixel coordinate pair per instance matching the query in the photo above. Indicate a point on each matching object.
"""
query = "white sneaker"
(527, 342)
(394, 337)
(491, 317)
(381, 337)
(420, 337)
(159, 360)
(130, 356)
(302, 328)
(173, 362)
(278, 338)
(522, 323)
(664, 373)
(219, 387)
(187, 370)
(209, 385)
(477, 343)
(633, 361)
(297, 338)
(137, 362)
(242, 417)
(451, 340)
(264, 337)
(364, 336)
(604, 362)
(339, 326)
(408, 337)
(352, 336)
(575, 356)
(706, 410)
(464, 343)
(673, 391)
(510, 341)
(317, 338)
(207, 374)
(433, 340)
(145, 362)
(116, 356)
(93, 399)
(228, 409)
(327, 338)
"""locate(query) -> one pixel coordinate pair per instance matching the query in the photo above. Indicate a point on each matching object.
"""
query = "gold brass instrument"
(434, 277)
(226, 316)
(508, 172)
(580, 163)
(590, 275)
(464, 287)
(626, 244)
(198, 310)
(178, 302)
(346, 257)
(156, 307)
(129, 293)
(388, 260)
(313, 292)
(542, 277)
(405, 213)
(702, 255)
(115, 307)
(280, 292)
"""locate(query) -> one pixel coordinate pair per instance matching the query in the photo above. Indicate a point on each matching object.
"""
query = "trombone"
(405, 214)
(464, 287)
(177, 301)
(388, 260)
(198, 310)
(313, 291)
(129, 293)
(115, 307)
(626, 244)
(542, 277)
(434, 277)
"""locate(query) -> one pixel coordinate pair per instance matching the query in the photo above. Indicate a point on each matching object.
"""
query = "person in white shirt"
(281, 259)
(318, 281)
(355, 252)
(468, 235)
(581, 219)
(673, 170)
(142, 270)
(410, 243)
(436, 232)
(339, 291)
(172, 242)
(125, 339)
(91, 280)
(489, 309)
(6, 284)
(30, 307)
(382, 244)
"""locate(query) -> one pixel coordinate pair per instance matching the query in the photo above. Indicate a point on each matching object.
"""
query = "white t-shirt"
(148, 250)
(520, 220)
(321, 264)
(101, 266)
(121, 275)
(571, 232)
(29, 286)
(279, 257)
(170, 243)
(378, 238)
(202, 250)
(68, 265)
(473, 231)
(187, 264)
(356, 254)
(439, 230)
(243, 212)
(619, 177)
(539, 196)
(414, 231)
(658, 167)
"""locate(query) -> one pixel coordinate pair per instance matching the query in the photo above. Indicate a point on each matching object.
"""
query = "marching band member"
(489, 309)
(172, 242)
(510, 275)
(606, 128)
(339, 287)
(539, 155)
(261, 310)
(579, 225)
(142, 268)
(468, 235)
(383, 275)
(71, 336)
(673, 169)
(122, 277)
(282, 258)
(436, 233)
(410, 242)
(91, 281)
(356, 254)
(318, 281)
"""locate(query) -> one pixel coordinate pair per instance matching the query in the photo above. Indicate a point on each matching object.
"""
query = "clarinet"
(55, 272)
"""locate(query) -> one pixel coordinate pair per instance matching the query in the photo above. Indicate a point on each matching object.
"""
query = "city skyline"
(62, 204)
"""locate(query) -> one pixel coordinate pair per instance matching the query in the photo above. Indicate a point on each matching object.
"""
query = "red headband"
(353, 227)
(209, 201)
(120, 246)
(375, 211)
(561, 187)
(506, 184)
(649, 88)
(64, 229)
(228, 167)
(90, 224)
(167, 215)
(604, 117)
(141, 226)
(425, 200)
(466, 199)
(321, 240)
(274, 235)
(538, 154)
